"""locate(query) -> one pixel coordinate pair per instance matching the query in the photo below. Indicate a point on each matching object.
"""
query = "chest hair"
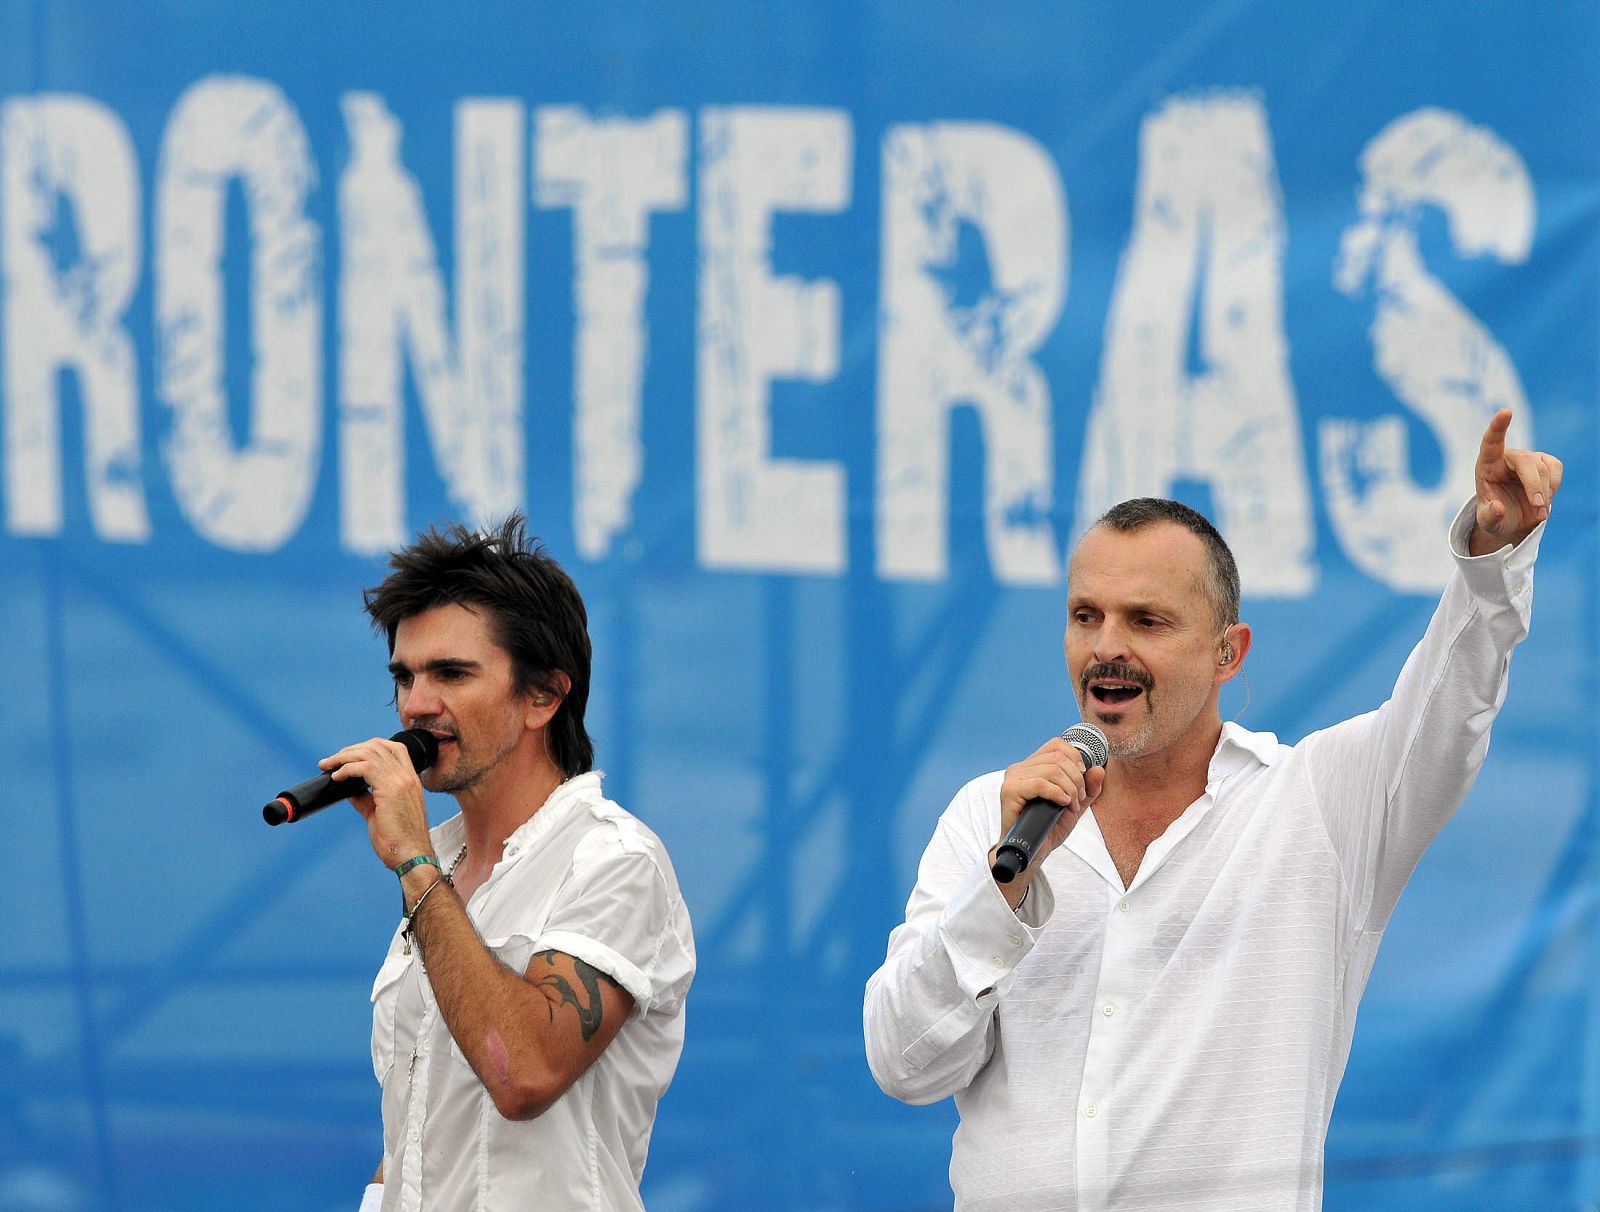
(1128, 832)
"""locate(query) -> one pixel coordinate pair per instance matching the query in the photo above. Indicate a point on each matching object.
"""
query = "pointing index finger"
(1493, 447)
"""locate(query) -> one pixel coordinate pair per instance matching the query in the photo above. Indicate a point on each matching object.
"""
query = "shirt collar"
(563, 799)
(448, 836)
(1238, 749)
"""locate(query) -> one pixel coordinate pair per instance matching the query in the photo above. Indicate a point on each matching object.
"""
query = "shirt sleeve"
(929, 1010)
(1386, 782)
(621, 912)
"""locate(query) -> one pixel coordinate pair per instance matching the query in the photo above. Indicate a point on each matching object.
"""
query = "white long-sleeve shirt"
(1177, 1044)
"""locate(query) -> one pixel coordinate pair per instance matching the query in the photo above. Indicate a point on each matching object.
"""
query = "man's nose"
(1111, 643)
(420, 701)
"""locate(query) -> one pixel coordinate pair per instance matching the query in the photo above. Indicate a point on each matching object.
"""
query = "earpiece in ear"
(1227, 654)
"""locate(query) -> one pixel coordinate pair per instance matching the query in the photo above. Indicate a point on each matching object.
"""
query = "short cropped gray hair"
(1222, 579)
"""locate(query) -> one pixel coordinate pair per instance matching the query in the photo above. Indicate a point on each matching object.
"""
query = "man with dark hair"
(1156, 1013)
(529, 1014)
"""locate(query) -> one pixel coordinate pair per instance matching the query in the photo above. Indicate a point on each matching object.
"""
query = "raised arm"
(1387, 781)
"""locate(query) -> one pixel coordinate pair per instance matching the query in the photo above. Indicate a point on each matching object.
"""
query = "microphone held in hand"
(315, 794)
(1032, 826)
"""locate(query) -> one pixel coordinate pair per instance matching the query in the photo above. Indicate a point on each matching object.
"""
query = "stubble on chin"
(1130, 745)
(1124, 740)
(453, 784)
(468, 770)
(449, 782)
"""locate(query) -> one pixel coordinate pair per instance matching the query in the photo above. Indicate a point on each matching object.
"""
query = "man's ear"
(543, 704)
(1231, 651)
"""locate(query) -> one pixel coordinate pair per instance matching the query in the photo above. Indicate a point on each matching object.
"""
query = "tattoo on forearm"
(587, 1003)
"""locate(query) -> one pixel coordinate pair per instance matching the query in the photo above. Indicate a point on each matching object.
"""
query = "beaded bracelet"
(419, 861)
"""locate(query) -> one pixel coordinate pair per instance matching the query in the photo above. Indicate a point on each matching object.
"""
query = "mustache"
(1123, 673)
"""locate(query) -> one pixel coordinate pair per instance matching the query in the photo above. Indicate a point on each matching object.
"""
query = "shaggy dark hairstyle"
(1222, 580)
(533, 609)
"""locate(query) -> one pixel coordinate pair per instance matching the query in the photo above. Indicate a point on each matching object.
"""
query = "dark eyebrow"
(442, 665)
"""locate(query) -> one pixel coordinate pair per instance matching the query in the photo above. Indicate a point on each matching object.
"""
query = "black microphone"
(313, 795)
(1028, 831)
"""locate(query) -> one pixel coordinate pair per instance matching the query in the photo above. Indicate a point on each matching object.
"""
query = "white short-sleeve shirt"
(583, 877)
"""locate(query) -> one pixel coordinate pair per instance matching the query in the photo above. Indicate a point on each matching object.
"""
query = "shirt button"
(1090, 1112)
(1016, 940)
(1108, 1011)
(1123, 908)
(998, 962)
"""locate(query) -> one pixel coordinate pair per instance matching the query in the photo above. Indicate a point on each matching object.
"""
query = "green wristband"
(419, 861)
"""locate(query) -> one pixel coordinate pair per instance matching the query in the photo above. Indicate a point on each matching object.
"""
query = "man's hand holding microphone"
(1042, 798)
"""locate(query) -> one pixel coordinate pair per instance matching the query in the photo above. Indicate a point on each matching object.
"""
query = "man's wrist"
(418, 880)
(1016, 893)
(1480, 542)
(412, 911)
(419, 860)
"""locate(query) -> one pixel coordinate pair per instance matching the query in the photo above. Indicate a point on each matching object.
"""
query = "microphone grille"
(1096, 749)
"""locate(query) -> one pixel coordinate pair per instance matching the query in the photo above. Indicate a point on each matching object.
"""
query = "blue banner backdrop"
(808, 335)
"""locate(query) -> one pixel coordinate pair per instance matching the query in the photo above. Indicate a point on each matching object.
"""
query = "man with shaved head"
(1156, 1013)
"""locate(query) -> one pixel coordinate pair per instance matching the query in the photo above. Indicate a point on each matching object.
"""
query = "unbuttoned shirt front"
(1176, 1044)
(583, 877)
